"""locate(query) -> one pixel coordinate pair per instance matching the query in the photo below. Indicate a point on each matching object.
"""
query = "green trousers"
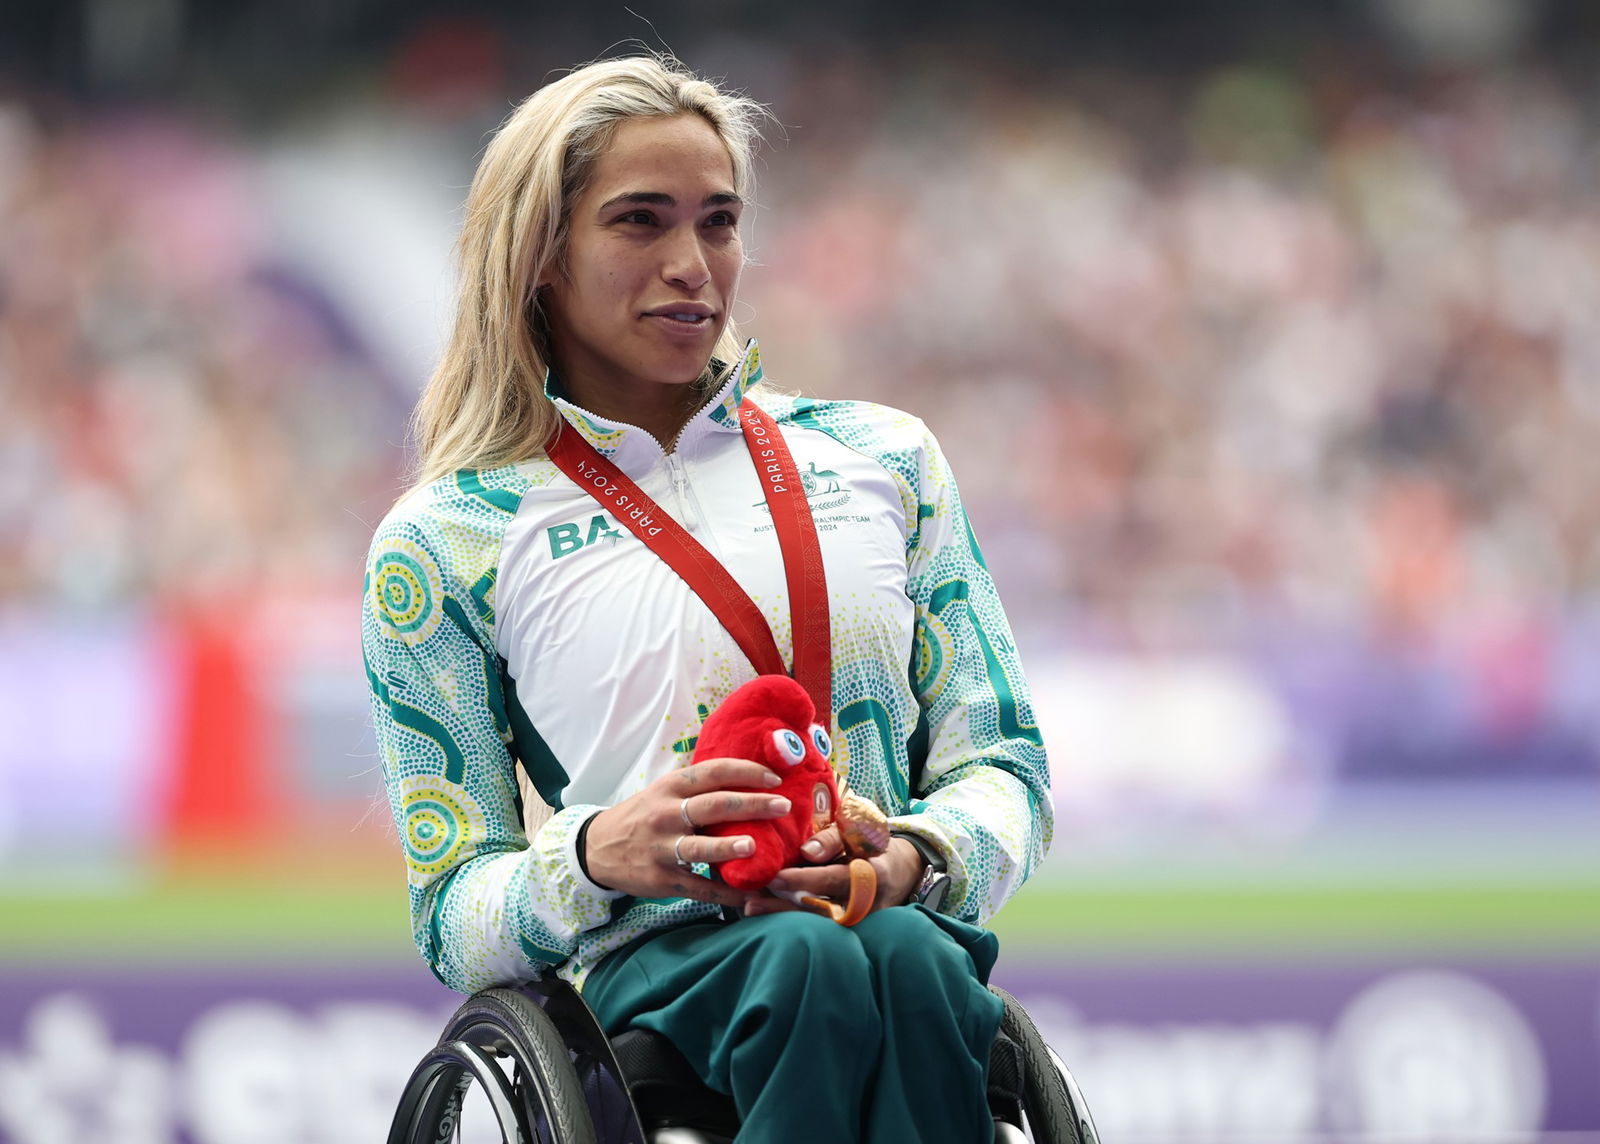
(822, 1034)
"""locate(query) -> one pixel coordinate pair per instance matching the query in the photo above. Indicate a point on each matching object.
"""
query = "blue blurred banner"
(1433, 1054)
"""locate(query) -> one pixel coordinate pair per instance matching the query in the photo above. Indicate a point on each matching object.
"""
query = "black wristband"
(581, 845)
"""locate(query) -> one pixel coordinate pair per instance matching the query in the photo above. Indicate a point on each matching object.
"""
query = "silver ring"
(689, 824)
(677, 854)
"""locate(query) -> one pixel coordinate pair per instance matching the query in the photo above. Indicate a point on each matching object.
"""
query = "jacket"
(507, 618)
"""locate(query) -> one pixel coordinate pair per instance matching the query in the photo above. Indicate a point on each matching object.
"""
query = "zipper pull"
(680, 483)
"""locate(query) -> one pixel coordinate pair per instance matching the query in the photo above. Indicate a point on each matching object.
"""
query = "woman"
(515, 615)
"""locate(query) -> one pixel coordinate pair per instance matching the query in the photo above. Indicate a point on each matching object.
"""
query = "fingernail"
(779, 806)
(812, 849)
(744, 847)
(771, 779)
(754, 907)
(777, 884)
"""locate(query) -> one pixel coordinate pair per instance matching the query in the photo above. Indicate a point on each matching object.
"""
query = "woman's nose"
(685, 265)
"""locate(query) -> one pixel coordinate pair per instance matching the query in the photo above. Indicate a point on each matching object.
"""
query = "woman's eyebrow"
(662, 199)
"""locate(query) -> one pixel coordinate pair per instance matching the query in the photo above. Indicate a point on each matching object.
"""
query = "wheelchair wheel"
(1055, 1111)
(503, 1029)
(430, 1109)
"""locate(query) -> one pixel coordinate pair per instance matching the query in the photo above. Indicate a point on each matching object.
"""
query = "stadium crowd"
(185, 418)
(1255, 349)
(1270, 344)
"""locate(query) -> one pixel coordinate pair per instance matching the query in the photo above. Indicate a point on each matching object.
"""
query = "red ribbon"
(809, 621)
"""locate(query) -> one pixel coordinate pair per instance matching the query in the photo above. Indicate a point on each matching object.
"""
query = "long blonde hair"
(485, 403)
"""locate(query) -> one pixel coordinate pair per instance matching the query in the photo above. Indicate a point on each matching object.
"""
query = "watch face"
(933, 896)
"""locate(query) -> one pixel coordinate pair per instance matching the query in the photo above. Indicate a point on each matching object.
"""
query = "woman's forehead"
(656, 155)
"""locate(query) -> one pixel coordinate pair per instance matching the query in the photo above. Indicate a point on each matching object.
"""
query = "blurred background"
(1265, 340)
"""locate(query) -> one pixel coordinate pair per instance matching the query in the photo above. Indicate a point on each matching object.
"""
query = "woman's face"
(653, 262)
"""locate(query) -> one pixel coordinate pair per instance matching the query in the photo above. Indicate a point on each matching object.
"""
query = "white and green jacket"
(507, 617)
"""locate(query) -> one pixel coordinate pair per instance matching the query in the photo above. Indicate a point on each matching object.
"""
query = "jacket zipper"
(680, 486)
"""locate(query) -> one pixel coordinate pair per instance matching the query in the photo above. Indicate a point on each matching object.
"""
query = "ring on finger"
(689, 824)
(677, 852)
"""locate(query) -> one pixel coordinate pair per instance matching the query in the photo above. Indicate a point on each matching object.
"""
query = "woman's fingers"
(711, 849)
(783, 892)
(897, 873)
(733, 806)
(694, 848)
(826, 878)
(724, 774)
(728, 790)
(824, 846)
(823, 881)
(645, 844)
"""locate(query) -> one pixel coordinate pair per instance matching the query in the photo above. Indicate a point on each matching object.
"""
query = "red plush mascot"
(771, 720)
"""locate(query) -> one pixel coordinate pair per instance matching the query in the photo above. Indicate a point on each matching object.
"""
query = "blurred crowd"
(1256, 347)
(185, 418)
(1263, 343)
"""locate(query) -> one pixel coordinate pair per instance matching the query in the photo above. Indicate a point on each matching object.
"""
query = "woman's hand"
(899, 869)
(630, 846)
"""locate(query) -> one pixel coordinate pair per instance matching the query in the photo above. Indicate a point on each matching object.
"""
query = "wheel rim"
(523, 1084)
(430, 1110)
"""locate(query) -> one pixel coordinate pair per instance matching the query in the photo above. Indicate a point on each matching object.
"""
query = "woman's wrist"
(908, 867)
(933, 880)
(581, 845)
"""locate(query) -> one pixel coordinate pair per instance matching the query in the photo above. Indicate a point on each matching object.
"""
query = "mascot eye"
(791, 747)
(820, 738)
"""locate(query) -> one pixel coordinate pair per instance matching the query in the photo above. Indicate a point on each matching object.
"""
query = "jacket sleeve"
(486, 907)
(982, 796)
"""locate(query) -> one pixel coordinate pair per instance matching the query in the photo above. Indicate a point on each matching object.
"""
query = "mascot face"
(790, 749)
(770, 720)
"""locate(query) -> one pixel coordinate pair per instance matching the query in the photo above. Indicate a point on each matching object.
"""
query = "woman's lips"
(681, 325)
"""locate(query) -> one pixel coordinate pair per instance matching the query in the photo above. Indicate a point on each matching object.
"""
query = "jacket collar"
(624, 442)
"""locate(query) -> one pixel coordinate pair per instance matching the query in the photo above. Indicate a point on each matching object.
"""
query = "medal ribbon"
(809, 621)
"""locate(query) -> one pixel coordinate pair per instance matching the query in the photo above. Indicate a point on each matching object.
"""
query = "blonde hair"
(485, 403)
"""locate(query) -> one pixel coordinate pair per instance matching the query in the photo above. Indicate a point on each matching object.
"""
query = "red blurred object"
(222, 798)
(449, 62)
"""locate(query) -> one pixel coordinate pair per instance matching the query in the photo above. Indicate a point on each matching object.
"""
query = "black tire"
(1052, 1116)
(509, 1025)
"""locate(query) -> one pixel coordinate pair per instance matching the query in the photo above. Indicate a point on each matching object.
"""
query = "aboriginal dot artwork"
(748, 376)
(438, 822)
(932, 655)
(406, 590)
(931, 651)
(603, 439)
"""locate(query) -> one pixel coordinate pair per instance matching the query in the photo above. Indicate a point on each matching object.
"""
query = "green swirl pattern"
(436, 820)
(406, 590)
(932, 654)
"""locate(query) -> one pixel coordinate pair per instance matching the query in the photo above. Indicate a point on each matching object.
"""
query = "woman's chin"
(682, 369)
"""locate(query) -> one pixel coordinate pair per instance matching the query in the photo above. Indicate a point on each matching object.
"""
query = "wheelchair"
(552, 1076)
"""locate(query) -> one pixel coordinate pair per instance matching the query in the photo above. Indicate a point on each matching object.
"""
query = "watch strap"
(935, 882)
(930, 853)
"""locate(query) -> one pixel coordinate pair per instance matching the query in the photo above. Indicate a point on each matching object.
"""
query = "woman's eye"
(791, 747)
(723, 218)
(642, 218)
(820, 738)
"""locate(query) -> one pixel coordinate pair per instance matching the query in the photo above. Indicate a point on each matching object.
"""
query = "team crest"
(824, 489)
